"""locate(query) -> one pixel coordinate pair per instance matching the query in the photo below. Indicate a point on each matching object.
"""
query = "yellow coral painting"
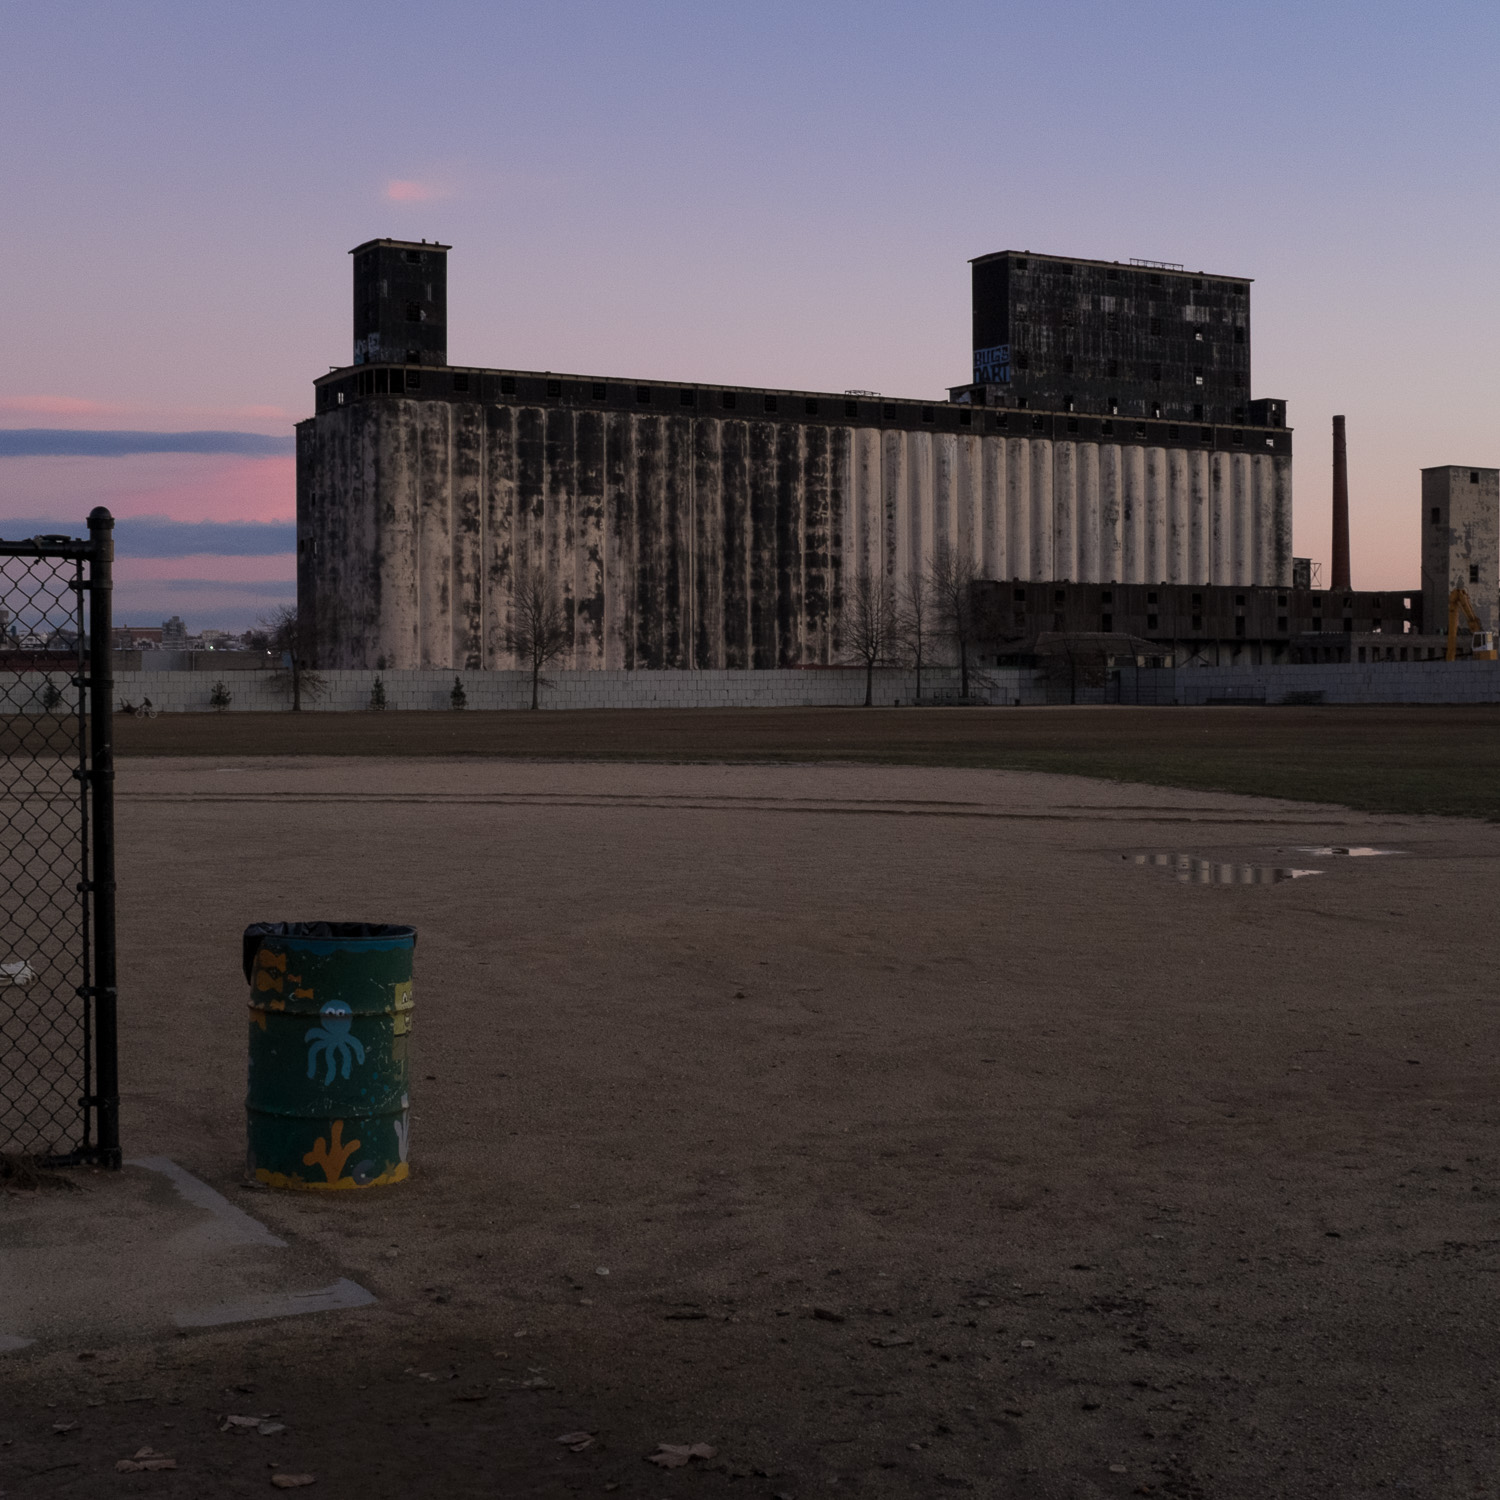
(399, 1173)
(332, 1155)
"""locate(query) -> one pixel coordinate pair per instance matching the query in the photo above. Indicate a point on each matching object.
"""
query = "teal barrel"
(330, 1031)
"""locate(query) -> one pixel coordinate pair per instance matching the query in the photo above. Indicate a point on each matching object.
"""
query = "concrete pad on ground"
(137, 1253)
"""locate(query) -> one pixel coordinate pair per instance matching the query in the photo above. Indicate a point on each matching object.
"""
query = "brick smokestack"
(1340, 579)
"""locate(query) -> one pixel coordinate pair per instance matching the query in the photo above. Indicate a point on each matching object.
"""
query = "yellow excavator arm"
(1459, 603)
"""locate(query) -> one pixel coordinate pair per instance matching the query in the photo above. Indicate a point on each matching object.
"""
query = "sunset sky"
(781, 194)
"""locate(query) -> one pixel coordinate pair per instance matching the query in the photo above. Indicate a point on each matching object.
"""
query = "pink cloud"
(182, 486)
(56, 406)
(266, 413)
(409, 190)
(78, 411)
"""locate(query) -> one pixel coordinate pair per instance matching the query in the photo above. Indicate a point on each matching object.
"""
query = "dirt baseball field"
(881, 1130)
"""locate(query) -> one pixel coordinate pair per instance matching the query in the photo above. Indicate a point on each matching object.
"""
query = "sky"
(781, 194)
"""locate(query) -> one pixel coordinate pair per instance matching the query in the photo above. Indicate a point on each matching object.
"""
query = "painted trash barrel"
(328, 1106)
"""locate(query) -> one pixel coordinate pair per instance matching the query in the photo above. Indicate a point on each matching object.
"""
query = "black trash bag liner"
(256, 931)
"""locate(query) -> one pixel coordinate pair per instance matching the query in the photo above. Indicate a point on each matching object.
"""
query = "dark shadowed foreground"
(891, 1131)
(1383, 759)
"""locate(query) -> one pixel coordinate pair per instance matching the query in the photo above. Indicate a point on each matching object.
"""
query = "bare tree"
(286, 639)
(915, 622)
(867, 625)
(538, 632)
(281, 630)
(953, 575)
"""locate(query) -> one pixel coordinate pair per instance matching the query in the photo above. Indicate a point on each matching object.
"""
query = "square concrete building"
(1460, 542)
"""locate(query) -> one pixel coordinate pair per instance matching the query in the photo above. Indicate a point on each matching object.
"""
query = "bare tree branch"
(286, 639)
(915, 622)
(538, 632)
(867, 626)
(953, 575)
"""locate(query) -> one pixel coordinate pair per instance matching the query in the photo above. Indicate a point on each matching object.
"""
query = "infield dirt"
(928, 1141)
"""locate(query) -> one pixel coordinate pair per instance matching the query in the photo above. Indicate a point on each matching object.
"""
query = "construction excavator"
(1483, 641)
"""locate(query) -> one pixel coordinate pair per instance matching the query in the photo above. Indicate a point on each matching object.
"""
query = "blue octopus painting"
(333, 1041)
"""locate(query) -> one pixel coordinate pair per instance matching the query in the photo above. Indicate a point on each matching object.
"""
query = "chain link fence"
(57, 1025)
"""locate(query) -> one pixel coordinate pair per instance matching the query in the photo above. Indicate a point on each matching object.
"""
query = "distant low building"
(137, 637)
(1205, 625)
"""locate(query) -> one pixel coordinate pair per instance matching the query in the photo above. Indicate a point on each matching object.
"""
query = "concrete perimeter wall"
(430, 688)
(346, 691)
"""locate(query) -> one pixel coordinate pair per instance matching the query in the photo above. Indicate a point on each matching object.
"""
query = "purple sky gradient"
(776, 194)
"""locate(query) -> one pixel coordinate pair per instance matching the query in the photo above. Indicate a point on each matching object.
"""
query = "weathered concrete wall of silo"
(1281, 526)
(723, 542)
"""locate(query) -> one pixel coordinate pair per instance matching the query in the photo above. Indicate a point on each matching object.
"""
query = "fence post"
(102, 787)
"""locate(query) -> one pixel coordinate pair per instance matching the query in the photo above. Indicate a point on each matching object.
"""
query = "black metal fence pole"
(102, 787)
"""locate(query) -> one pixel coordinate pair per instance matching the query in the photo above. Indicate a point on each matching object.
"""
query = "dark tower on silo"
(1340, 570)
(400, 303)
(1148, 339)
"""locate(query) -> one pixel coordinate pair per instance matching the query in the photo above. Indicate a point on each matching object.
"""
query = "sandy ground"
(927, 1140)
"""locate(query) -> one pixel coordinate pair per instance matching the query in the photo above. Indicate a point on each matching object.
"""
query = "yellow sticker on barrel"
(404, 1006)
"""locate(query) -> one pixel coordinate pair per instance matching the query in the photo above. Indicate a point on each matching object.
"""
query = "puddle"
(1357, 851)
(1191, 870)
